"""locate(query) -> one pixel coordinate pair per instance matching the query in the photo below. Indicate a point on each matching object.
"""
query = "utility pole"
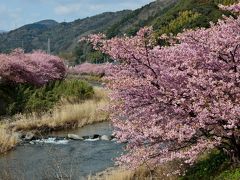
(22, 45)
(49, 46)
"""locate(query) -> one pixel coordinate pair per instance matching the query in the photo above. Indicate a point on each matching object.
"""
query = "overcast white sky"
(15, 13)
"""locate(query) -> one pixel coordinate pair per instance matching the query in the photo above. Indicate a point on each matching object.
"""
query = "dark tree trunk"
(234, 153)
(235, 157)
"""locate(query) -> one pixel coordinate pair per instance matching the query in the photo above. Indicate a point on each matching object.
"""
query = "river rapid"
(67, 159)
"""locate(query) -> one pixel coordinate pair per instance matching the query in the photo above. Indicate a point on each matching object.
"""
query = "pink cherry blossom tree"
(233, 8)
(89, 68)
(36, 68)
(179, 100)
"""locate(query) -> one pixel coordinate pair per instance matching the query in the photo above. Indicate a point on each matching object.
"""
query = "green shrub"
(229, 175)
(184, 19)
(26, 98)
(202, 12)
(208, 167)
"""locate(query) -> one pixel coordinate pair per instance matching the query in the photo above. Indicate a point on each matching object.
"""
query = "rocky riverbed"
(76, 154)
(31, 138)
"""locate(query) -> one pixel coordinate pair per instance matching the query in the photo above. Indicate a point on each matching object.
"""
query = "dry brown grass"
(163, 172)
(113, 174)
(7, 140)
(68, 115)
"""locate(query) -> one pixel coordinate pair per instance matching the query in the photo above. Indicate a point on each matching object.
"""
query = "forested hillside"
(63, 36)
(166, 16)
(173, 17)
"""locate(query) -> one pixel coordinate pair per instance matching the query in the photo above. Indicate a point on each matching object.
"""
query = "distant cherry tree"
(35, 68)
(89, 68)
(178, 100)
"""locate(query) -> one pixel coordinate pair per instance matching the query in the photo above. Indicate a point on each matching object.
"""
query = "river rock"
(96, 136)
(105, 138)
(114, 139)
(19, 135)
(30, 136)
(74, 137)
(86, 137)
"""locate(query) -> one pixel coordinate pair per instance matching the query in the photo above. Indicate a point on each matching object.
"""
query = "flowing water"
(62, 160)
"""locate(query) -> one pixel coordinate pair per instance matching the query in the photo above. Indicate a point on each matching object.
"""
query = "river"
(67, 160)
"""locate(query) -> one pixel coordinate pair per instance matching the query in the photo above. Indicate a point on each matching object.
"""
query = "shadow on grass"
(208, 167)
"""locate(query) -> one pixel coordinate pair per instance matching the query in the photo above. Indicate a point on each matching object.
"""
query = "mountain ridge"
(164, 15)
(3, 31)
(63, 35)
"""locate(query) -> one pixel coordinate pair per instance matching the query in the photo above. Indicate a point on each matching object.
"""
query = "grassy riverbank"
(68, 114)
(214, 165)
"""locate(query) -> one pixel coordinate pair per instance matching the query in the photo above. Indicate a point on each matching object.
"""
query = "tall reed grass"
(7, 140)
(70, 113)
(163, 172)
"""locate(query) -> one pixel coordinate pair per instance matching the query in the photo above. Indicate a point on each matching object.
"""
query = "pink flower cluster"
(36, 68)
(88, 68)
(176, 101)
(233, 8)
